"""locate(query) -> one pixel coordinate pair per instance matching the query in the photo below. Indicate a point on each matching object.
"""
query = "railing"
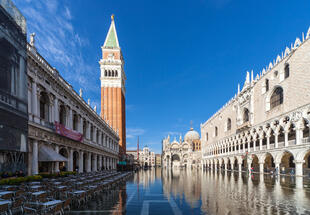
(49, 125)
(305, 140)
(13, 102)
(291, 142)
(281, 144)
(243, 125)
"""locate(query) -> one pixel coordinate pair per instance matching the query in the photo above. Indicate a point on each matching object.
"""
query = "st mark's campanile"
(113, 85)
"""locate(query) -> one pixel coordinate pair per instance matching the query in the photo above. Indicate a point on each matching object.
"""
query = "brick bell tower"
(113, 86)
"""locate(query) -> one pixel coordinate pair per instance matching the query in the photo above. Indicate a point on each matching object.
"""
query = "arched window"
(92, 133)
(109, 73)
(112, 73)
(116, 73)
(228, 124)
(207, 137)
(216, 131)
(286, 70)
(276, 97)
(75, 122)
(105, 73)
(84, 127)
(267, 84)
(246, 115)
(62, 115)
(44, 103)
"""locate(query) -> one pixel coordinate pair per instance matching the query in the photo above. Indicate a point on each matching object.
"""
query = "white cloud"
(173, 133)
(131, 148)
(134, 132)
(67, 13)
(59, 43)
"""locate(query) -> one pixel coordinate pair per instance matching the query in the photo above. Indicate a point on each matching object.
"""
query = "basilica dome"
(191, 135)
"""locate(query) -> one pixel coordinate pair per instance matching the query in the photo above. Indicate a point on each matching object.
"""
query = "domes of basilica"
(191, 135)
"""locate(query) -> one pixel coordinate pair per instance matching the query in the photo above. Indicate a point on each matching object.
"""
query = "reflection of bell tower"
(113, 85)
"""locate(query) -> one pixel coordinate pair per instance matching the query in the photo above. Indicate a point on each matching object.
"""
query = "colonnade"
(293, 160)
(80, 160)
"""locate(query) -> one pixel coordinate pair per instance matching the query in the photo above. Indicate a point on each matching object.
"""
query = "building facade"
(265, 126)
(13, 89)
(158, 160)
(146, 157)
(65, 132)
(179, 154)
(113, 89)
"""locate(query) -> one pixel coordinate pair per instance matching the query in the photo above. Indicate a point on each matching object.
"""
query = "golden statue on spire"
(112, 17)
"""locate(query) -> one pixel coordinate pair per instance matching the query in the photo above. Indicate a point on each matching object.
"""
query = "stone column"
(239, 147)
(81, 163)
(70, 160)
(225, 165)
(299, 167)
(80, 127)
(88, 168)
(56, 111)
(95, 163)
(95, 135)
(99, 139)
(88, 130)
(261, 167)
(35, 154)
(286, 138)
(243, 147)
(260, 143)
(268, 141)
(254, 144)
(276, 142)
(100, 162)
(35, 102)
(70, 121)
(57, 163)
(299, 135)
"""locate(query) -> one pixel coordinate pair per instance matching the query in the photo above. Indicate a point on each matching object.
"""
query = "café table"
(50, 203)
(6, 194)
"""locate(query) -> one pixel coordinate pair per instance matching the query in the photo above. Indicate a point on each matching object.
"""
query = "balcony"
(243, 126)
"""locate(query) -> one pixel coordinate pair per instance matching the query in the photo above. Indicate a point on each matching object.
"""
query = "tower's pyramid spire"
(111, 41)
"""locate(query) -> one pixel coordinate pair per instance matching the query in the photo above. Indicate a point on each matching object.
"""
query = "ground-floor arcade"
(56, 153)
(292, 161)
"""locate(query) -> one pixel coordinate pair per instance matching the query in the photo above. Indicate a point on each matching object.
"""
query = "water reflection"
(176, 191)
(183, 184)
(235, 193)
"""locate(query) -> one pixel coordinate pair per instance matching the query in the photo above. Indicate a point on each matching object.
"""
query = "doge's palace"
(265, 126)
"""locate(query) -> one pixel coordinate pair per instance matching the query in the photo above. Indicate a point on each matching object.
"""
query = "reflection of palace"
(185, 153)
(267, 119)
(146, 177)
(178, 182)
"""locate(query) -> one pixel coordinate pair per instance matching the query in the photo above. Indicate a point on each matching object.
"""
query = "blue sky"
(183, 59)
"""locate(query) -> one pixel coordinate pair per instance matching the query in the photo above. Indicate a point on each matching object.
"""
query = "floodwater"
(162, 191)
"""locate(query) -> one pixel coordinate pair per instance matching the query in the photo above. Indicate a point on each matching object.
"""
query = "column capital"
(299, 161)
